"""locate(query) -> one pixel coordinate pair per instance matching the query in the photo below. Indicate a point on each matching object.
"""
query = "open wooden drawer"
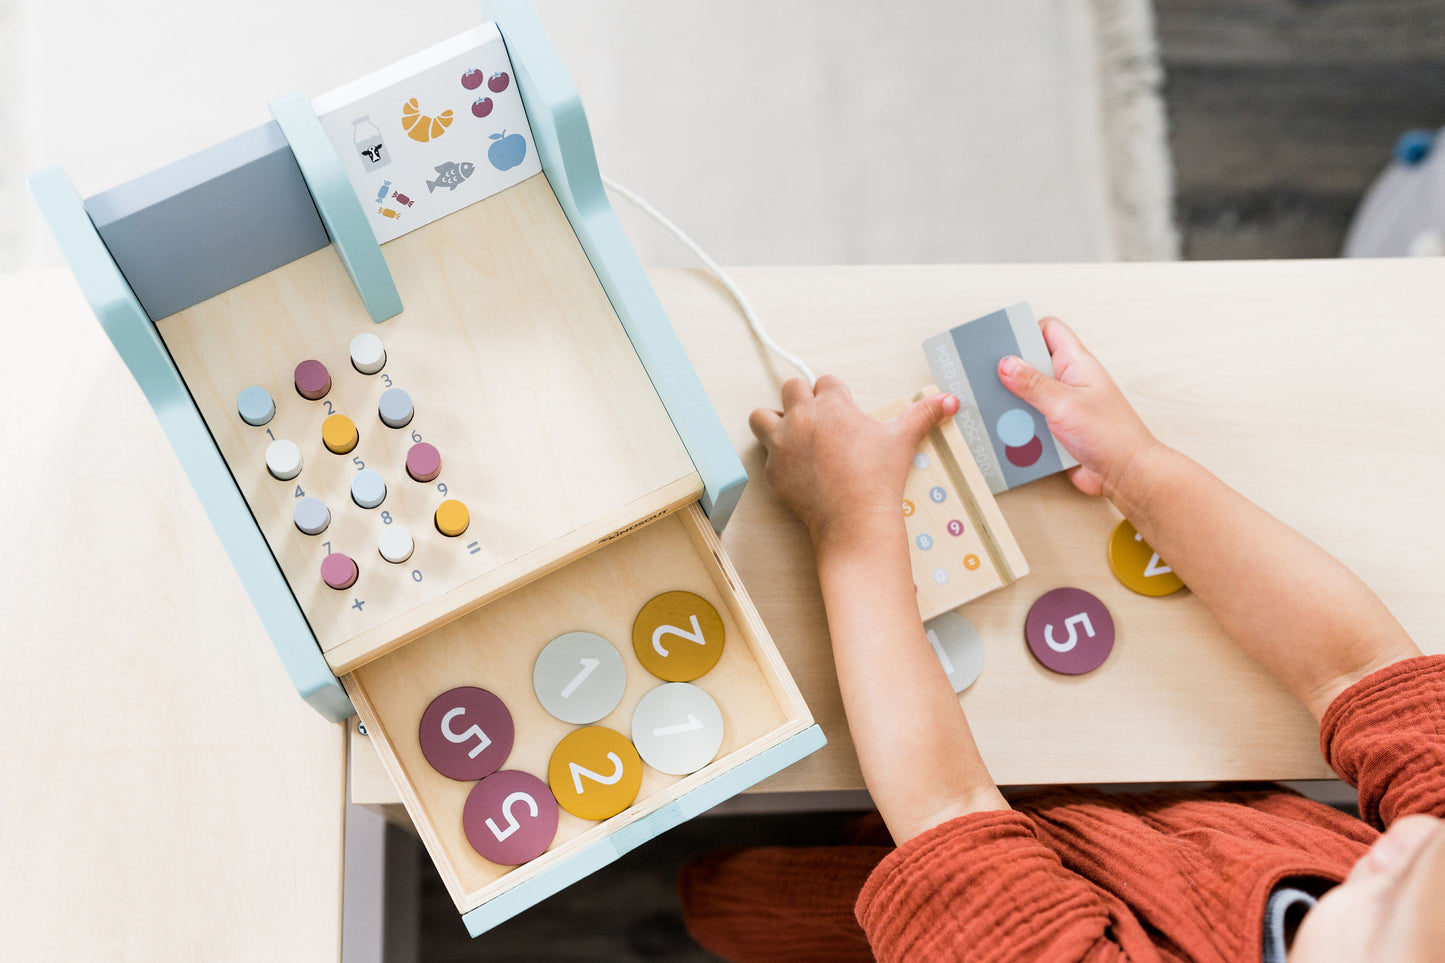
(766, 725)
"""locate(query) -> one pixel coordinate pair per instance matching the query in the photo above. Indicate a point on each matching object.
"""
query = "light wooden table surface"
(164, 792)
(167, 794)
(1310, 386)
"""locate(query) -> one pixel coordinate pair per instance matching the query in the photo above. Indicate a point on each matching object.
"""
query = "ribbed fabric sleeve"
(983, 887)
(1385, 735)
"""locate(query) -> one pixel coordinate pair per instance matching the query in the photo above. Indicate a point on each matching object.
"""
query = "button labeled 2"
(678, 636)
(466, 733)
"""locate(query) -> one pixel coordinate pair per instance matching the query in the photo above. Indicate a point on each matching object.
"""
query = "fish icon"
(452, 174)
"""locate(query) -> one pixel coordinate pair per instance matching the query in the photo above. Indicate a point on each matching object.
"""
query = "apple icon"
(498, 83)
(472, 79)
(507, 150)
(482, 106)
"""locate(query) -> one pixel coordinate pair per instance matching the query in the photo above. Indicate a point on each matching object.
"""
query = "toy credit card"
(1009, 439)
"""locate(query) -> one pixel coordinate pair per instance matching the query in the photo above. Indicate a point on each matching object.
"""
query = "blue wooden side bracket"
(140, 347)
(564, 144)
(749, 773)
(336, 202)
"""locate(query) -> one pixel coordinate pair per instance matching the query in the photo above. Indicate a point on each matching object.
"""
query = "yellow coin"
(339, 434)
(678, 636)
(1137, 565)
(452, 518)
(595, 772)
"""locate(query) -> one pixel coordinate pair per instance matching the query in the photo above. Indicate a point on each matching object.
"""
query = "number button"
(1070, 631)
(466, 733)
(255, 406)
(971, 562)
(908, 508)
(677, 728)
(921, 461)
(311, 515)
(924, 541)
(423, 461)
(937, 495)
(940, 576)
(395, 408)
(678, 636)
(339, 435)
(595, 772)
(579, 677)
(955, 527)
(312, 380)
(510, 817)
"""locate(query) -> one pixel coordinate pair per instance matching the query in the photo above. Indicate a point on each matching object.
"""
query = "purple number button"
(466, 733)
(510, 817)
(955, 527)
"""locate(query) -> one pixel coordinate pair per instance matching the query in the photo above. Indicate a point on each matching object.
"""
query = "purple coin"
(1070, 631)
(466, 733)
(312, 380)
(510, 817)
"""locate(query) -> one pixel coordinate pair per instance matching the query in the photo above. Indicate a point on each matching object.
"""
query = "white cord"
(717, 272)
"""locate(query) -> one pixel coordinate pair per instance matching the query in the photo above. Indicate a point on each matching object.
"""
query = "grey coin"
(579, 677)
(958, 646)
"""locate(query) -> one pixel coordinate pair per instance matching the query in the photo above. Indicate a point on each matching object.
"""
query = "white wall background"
(790, 131)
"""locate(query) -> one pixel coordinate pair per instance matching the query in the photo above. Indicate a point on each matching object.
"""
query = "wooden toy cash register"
(457, 455)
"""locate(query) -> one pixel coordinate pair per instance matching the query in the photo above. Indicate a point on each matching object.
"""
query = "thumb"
(924, 415)
(1030, 384)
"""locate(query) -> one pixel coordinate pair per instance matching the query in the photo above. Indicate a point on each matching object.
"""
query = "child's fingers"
(763, 422)
(795, 390)
(1031, 384)
(921, 417)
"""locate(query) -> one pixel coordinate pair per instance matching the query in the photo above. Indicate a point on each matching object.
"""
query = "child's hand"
(1085, 410)
(834, 466)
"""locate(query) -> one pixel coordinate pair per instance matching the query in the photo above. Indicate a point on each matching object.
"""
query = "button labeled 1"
(579, 677)
(466, 733)
(678, 636)
(677, 728)
(595, 772)
(510, 817)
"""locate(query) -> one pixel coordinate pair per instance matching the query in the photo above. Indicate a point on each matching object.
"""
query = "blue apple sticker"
(507, 150)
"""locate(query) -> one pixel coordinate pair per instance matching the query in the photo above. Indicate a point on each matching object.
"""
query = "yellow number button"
(339, 434)
(678, 636)
(595, 772)
(452, 518)
(1137, 565)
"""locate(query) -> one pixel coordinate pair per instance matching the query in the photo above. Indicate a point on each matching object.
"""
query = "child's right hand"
(1085, 410)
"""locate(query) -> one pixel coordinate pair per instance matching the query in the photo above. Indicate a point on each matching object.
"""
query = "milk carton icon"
(369, 144)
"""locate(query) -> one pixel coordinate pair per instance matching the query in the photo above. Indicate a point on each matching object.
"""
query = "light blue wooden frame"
(564, 143)
(140, 347)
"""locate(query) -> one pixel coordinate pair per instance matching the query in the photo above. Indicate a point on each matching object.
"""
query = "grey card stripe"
(949, 376)
(990, 338)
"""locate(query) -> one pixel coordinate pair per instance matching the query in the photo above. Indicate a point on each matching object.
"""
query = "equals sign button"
(473, 548)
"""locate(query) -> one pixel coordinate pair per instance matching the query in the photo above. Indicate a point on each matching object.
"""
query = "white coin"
(677, 728)
(958, 646)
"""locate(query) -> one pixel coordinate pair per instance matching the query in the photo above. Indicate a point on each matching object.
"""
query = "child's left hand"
(839, 470)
